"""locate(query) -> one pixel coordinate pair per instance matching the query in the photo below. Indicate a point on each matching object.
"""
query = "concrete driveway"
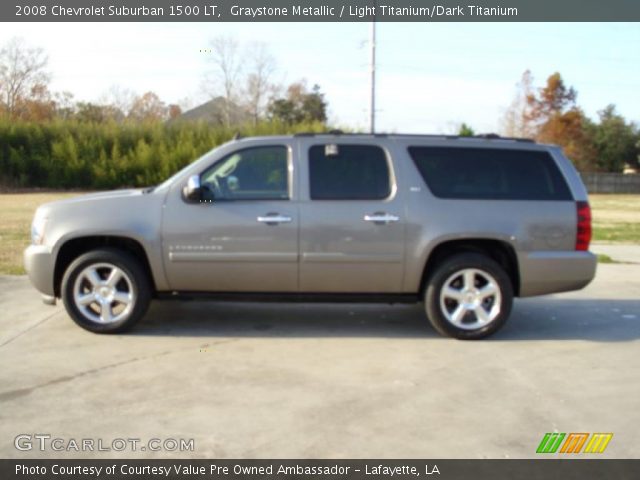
(341, 381)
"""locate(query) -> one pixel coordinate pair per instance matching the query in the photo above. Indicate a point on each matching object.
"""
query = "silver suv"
(462, 224)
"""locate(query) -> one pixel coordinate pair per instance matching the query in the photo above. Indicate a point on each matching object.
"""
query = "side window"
(490, 173)
(258, 173)
(348, 172)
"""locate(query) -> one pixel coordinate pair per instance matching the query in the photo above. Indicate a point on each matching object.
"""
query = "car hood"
(98, 197)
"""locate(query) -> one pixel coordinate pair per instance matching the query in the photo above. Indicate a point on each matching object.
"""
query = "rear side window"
(490, 174)
(348, 172)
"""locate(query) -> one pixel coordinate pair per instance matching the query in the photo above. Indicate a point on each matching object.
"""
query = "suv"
(462, 224)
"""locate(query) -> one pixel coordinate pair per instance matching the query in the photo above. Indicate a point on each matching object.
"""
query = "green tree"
(282, 110)
(314, 107)
(91, 112)
(74, 153)
(299, 105)
(615, 141)
(466, 131)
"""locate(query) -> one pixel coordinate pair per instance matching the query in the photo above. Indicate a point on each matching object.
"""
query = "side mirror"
(192, 192)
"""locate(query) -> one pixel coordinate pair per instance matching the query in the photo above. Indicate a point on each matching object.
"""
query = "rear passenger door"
(351, 218)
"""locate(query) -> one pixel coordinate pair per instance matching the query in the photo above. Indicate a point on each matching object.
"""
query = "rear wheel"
(105, 291)
(469, 296)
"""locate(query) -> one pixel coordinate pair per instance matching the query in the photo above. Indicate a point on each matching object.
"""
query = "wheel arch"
(498, 250)
(74, 247)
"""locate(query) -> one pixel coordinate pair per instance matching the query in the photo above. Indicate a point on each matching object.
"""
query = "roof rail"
(485, 136)
(328, 132)
(364, 134)
(495, 136)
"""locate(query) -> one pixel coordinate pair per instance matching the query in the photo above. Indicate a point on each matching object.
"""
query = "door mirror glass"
(192, 191)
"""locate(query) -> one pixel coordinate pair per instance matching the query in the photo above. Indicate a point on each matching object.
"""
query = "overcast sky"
(431, 76)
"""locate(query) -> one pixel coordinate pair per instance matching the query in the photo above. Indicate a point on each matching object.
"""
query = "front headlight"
(37, 228)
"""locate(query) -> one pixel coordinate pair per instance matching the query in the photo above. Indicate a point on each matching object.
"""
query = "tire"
(468, 296)
(105, 291)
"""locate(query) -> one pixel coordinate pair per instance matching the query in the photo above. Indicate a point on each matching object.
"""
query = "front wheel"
(469, 296)
(105, 291)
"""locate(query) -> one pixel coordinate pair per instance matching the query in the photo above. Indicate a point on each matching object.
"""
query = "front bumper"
(39, 263)
(553, 272)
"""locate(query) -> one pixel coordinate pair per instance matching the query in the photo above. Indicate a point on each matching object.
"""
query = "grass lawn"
(16, 212)
(616, 219)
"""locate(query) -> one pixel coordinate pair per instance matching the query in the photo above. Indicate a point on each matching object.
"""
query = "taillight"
(583, 235)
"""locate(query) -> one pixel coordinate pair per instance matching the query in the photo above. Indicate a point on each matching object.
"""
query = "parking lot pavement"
(315, 381)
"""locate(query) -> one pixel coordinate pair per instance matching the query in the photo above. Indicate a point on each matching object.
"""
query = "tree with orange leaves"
(557, 119)
(148, 107)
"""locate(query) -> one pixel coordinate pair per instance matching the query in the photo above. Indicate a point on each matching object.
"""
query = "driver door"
(243, 235)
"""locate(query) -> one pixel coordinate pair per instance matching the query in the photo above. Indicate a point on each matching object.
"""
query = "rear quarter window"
(490, 174)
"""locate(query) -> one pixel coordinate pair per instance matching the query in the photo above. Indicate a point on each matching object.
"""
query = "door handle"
(274, 219)
(379, 217)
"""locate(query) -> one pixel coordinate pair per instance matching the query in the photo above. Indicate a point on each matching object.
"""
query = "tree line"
(89, 155)
(241, 79)
(551, 114)
(48, 139)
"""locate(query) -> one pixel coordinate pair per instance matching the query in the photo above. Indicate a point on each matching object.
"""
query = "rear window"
(348, 172)
(490, 174)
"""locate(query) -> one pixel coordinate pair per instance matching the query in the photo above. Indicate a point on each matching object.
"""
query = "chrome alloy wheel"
(470, 299)
(104, 293)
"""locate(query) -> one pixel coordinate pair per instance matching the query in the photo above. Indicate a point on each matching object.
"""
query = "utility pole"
(373, 73)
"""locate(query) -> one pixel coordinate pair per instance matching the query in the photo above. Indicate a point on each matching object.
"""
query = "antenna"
(373, 71)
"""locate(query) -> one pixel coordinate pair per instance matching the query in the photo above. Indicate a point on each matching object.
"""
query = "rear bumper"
(40, 264)
(552, 272)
